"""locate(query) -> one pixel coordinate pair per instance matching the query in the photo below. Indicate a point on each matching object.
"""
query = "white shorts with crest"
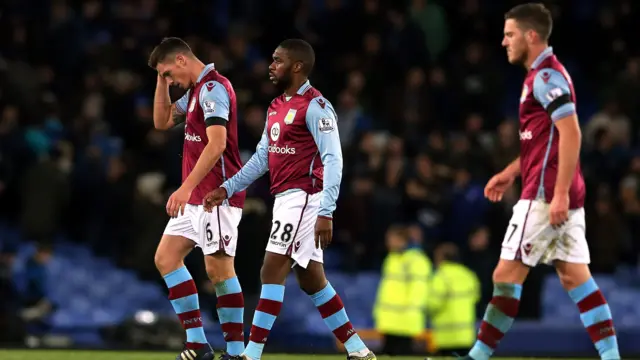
(212, 232)
(531, 239)
(293, 227)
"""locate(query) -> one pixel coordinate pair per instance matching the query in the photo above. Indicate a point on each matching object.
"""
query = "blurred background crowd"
(427, 108)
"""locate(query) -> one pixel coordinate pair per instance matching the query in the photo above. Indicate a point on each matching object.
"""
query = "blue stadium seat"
(333, 259)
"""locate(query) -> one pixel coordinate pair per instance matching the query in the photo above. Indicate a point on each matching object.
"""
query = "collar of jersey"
(303, 88)
(543, 55)
(205, 71)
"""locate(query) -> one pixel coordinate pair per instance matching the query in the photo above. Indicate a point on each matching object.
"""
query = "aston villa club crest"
(291, 115)
(525, 92)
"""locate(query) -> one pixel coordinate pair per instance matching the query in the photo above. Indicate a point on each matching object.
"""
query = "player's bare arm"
(568, 156)
(165, 115)
(212, 152)
(513, 169)
(500, 182)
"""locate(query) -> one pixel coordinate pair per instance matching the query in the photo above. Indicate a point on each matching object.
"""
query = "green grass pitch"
(113, 355)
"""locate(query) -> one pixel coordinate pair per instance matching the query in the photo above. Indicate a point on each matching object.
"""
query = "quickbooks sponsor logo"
(282, 150)
(190, 137)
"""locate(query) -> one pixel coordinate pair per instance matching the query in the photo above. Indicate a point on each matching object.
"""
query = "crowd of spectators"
(426, 101)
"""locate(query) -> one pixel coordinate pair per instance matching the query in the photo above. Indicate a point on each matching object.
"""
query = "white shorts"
(293, 227)
(531, 239)
(212, 232)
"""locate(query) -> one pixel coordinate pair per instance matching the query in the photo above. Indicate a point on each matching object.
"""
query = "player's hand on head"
(161, 80)
(214, 198)
(497, 186)
(323, 232)
(559, 210)
(177, 202)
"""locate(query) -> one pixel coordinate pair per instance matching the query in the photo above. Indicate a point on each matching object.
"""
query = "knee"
(568, 282)
(572, 275)
(266, 276)
(313, 279)
(511, 272)
(313, 287)
(167, 262)
(219, 268)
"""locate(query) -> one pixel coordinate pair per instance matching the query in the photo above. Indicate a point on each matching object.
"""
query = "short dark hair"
(399, 230)
(300, 50)
(533, 16)
(168, 46)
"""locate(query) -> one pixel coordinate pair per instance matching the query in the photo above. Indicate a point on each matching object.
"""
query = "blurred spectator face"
(395, 146)
(424, 167)
(507, 132)
(372, 143)
(437, 76)
(346, 100)
(635, 165)
(9, 119)
(363, 186)
(43, 254)
(474, 123)
(237, 45)
(603, 206)
(479, 239)
(396, 239)
(371, 6)
(460, 145)
(333, 4)
(633, 66)
(515, 41)
(415, 78)
(418, 5)
(628, 190)
(372, 43)
(396, 18)
(462, 177)
(474, 53)
(436, 141)
(356, 81)
(91, 9)
(175, 70)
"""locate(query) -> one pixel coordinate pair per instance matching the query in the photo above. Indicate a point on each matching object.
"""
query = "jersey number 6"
(209, 232)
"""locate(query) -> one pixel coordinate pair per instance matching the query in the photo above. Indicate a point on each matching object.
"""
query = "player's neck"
(198, 68)
(295, 86)
(534, 53)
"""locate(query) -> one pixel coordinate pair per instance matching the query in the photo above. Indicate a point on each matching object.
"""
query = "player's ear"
(181, 60)
(297, 67)
(529, 36)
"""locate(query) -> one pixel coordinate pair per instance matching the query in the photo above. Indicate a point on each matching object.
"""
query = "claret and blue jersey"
(210, 102)
(547, 96)
(300, 147)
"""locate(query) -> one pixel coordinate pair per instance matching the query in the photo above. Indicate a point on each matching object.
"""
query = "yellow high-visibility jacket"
(400, 303)
(454, 291)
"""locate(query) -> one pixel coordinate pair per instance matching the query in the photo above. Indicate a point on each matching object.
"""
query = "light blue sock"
(596, 318)
(335, 316)
(266, 313)
(184, 299)
(231, 314)
(497, 320)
